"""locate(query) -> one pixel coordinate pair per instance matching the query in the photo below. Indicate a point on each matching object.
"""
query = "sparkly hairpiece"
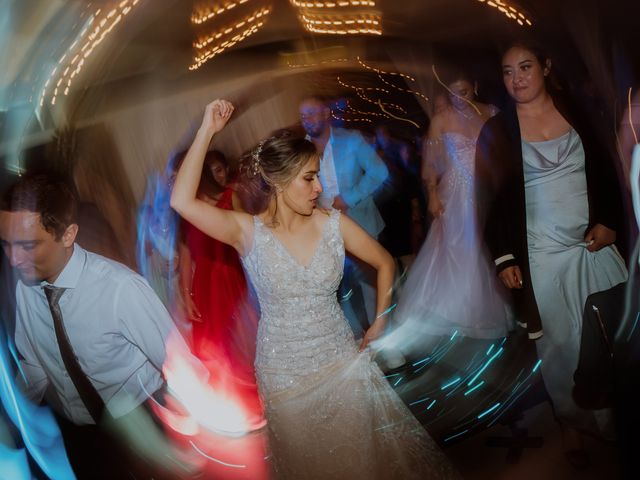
(255, 160)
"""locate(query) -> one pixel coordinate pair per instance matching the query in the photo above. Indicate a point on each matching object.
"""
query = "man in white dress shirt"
(116, 326)
(350, 173)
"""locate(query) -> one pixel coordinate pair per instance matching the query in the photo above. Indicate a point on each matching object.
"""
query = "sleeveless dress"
(225, 338)
(563, 271)
(330, 412)
(452, 284)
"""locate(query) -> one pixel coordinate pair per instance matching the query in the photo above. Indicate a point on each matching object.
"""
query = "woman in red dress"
(217, 299)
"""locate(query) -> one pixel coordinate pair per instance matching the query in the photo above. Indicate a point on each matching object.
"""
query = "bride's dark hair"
(270, 165)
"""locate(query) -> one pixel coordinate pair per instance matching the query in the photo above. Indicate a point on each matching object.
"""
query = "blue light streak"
(452, 382)
(431, 404)
(536, 366)
(420, 361)
(474, 388)
(456, 435)
(488, 411)
(484, 367)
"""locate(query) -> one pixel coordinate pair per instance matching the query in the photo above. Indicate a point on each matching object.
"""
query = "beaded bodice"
(302, 328)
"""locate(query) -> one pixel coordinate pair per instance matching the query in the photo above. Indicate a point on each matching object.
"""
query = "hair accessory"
(255, 159)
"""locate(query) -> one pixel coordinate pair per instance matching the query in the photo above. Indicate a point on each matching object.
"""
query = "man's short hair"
(50, 196)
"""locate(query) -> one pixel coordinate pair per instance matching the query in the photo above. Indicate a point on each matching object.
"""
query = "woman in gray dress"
(553, 211)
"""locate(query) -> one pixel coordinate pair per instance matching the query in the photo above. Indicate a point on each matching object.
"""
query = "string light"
(218, 41)
(360, 93)
(368, 23)
(212, 37)
(341, 3)
(338, 17)
(204, 14)
(509, 11)
(96, 30)
(383, 72)
(400, 89)
(350, 109)
(324, 62)
(368, 120)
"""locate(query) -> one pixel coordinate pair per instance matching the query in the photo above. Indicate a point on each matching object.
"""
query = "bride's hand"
(372, 334)
(216, 115)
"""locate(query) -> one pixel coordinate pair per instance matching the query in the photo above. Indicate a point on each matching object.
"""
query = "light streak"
(506, 407)
(204, 14)
(508, 11)
(535, 367)
(324, 62)
(379, 71)
(451, 92)
(347, 295)
(221, 47)
(456, 435)
(368, 120)
(337, 3)
(232, 465)
(426, 399)
(488, 411)
(484, 367)
(420, 361)
(629, 108)
(474, 388)
(381, 105)
(212, 37)
(339, 18)
(401, 89)
(93, 34)
(359, 92)
(450, 383)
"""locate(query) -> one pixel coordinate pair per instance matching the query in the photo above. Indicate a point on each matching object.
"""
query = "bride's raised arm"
(227, 226)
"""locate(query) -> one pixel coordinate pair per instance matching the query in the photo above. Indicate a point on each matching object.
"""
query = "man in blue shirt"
(350, 172)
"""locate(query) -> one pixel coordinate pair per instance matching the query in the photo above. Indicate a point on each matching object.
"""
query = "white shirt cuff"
(503, 259)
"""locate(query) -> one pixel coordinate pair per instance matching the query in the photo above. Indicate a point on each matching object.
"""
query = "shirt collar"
(70, 275)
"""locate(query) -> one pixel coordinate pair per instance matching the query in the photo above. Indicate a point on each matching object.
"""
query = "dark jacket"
(501, 196)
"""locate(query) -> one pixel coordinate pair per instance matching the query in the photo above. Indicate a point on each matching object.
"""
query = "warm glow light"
(508, 11)
(360, 93)
(203, 14)
(209, 408)
(352, 24)
(340, 17)
(212, 37)
(342, 3)
(324, 62)
(92, 35)
(221, 47)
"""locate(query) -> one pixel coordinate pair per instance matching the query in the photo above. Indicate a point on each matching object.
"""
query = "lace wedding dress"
(452, 285)
(330, 412)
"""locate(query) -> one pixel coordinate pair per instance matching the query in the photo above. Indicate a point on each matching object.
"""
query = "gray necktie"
(88, 394)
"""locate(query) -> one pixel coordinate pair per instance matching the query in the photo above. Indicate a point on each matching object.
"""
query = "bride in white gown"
(451, 285)
(330, 412)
